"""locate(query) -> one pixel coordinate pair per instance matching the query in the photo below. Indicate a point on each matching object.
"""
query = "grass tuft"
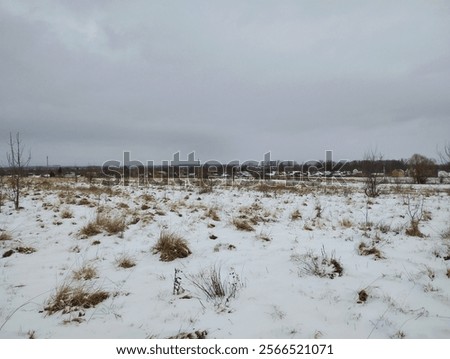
(125, 262)
(66, 213)
(413, 230)
(111, 224)
(321, 265)
(171, 246)
(216, 288)
(86, 272)
(365, 250)
(242, 224)
(5, 236)
(90, 229)
(68, 299)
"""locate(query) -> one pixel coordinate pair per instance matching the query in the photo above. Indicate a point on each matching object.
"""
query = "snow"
(408, 287)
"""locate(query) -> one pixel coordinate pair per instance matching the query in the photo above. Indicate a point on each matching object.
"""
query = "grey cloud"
(229, 80)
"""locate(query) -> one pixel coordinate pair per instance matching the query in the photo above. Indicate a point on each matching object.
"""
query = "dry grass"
(84, 202)
(365, 250)
(264, 236)
(346, 223)
(171, 246)
(214, 287)
(448, 272)
(5, 236)
(66, 213)
(242, 224)
(198, 334)
(413, 230)
(90, 229)
(446, 234)
(86, 272)
(125, 261)
(68, 299)
(111, 224)
(295, 215)
(212, 213)
(25, 250)
(321, 265)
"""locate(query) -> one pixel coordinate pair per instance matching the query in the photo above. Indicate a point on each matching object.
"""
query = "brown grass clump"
(212, 213)
(171, 246)
(68, 299)
(365, 250)
(414, 230)
(448, 272)
(66, 213)
(295, 215)
(125, 262)
(242, 224)
(90, 229)
(87, 272)
(346, 223)
(25, 250)
(5, 236)
(112, 225)
(84, 202)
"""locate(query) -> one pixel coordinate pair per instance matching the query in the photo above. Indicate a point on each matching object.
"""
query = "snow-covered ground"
(317, 261)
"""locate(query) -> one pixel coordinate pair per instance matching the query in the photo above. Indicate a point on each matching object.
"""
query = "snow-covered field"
(316, 261)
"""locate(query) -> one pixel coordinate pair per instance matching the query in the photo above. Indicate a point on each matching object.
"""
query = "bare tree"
(421, 168)
(373, 172)
(444, 154)
(17, 162)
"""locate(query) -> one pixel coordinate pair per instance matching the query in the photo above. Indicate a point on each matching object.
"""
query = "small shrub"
(243, 224)
(68, 299)
(87, 272)
(171, 246)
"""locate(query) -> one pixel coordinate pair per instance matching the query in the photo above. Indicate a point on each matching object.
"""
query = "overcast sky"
(83, 81)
